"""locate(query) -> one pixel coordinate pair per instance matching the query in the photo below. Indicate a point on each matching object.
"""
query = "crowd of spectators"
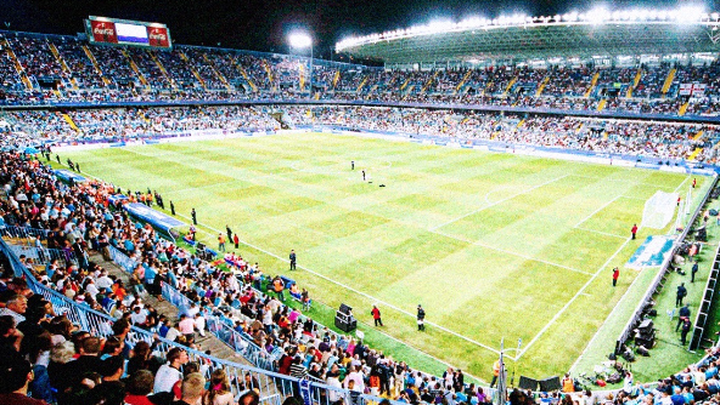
(64, 69)
(42, 353)
(638, 138)
(123, 124)
(675, 141)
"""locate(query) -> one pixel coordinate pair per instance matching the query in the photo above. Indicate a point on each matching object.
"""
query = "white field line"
(520, 255)
(681, 184)
(602, 207)
(601, 233)
(498, 202)
(427, 354)
(347, 287)
(567, 305)
(358, 168)
(608, 317)
(638, 183)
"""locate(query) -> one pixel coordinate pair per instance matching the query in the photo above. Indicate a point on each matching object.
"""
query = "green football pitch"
(496, 247)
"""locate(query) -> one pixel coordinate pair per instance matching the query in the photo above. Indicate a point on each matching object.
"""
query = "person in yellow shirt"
(568, 385)
(221, 242)
(496, 372)
(278, 287)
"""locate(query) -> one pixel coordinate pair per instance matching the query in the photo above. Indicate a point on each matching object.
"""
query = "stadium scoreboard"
(112, 31)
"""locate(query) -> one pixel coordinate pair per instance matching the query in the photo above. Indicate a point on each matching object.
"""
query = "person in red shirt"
(17, 375)
(376, 316)
(634, 230)
(138, 388)
(616, 275)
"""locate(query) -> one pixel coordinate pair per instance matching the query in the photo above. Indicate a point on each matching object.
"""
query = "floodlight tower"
(302, 40)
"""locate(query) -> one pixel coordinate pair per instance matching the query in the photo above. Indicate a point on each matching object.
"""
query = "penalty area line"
(435, 228)
(592, 214)
(567, 305)
(610, 316)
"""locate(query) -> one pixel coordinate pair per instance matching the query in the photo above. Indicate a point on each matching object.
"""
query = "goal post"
(659, 210)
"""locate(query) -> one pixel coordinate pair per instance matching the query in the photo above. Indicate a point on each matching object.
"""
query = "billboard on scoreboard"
(102, 30)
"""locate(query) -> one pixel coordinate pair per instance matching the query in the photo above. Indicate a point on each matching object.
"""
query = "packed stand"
(36, 58)
(637, 138)
(148, 68)
(210, 74)
(84, 73)
(123, 124)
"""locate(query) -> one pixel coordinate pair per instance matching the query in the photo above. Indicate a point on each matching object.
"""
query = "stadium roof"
(595, 34)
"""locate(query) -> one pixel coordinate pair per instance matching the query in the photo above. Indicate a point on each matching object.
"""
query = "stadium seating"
(47, 69)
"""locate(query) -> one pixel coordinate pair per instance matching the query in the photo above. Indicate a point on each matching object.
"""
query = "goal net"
(659, 210)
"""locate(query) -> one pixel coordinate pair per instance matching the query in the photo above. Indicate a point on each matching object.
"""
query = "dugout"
(164, 224)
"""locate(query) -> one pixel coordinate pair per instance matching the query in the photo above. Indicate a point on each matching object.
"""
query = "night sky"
(262, 25)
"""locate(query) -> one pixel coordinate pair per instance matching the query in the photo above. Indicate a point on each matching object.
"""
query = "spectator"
(169, 373)
(219, 392)
(139, 386)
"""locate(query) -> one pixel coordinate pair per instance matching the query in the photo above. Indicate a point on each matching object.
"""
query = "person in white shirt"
(168, 374)
(334, 382)
(356, 376)
(91, 288)
(172, 334)
(104, 281)
(200, 324)
(15, 307)
(139, 316)
(192, 310)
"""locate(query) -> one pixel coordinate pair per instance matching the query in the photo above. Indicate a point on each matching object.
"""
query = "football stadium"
(509, 210)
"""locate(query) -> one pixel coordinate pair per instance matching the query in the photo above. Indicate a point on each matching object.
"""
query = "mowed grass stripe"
(124, 167)
(618, 217)
(450, 287)
(274, 200)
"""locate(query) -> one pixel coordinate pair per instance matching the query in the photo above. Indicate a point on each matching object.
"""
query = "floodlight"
(471, 22)
(688, 14)
(300, 40)
(598, 15)
(440, 26)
